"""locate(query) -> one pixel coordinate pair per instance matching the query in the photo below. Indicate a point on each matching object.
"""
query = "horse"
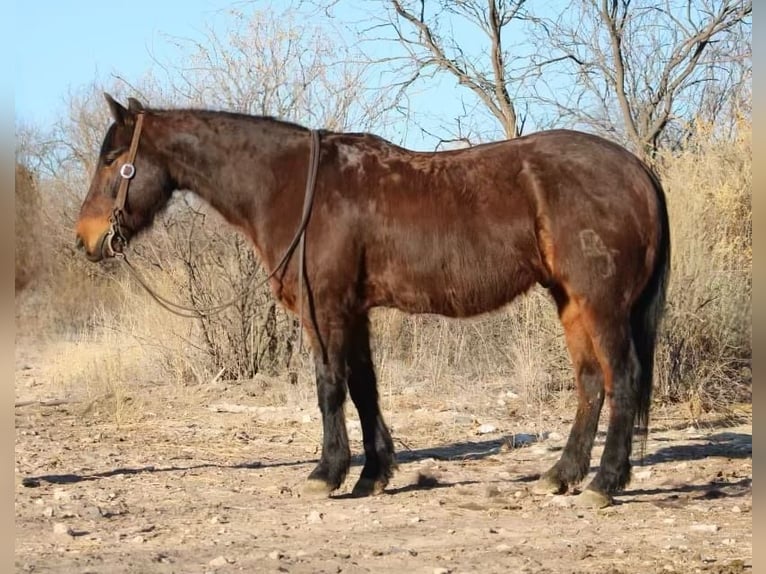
(455, 232)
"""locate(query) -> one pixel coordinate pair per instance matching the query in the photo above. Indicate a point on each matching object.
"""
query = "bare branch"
(428, 50)
(644, 65)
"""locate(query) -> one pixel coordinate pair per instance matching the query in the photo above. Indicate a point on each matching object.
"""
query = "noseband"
(127, 172)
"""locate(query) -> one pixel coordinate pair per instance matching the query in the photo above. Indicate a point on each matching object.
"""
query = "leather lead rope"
(310, 184)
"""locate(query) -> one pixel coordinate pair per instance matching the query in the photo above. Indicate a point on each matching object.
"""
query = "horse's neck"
(232, 163)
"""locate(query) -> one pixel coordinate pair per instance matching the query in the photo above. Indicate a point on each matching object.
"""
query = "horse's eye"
(110, 157)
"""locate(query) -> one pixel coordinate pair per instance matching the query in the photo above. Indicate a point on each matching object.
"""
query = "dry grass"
(705, 351)
(703, 358)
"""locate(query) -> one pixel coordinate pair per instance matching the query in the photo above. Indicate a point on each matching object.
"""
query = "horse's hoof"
(317, 489)
(589, 498)
(549, 485)
(367, 487)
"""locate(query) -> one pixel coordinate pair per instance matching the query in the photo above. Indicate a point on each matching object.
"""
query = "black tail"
(647, 314)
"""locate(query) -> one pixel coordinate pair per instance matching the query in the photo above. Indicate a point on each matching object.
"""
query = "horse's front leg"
(331, 378)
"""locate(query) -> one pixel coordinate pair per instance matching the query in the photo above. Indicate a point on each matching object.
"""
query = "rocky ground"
(195, 479)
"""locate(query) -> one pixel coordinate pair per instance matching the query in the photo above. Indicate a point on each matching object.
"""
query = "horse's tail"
(647, 314)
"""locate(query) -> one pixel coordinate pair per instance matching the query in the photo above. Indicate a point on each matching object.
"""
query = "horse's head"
(130, 185)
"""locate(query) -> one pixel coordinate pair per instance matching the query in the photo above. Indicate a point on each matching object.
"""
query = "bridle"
(128, 171)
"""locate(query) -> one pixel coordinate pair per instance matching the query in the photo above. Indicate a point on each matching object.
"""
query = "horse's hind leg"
(613, 344)
(378, 446)
(574, 463)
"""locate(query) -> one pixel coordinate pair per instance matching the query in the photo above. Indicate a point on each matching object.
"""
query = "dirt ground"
(196, 479)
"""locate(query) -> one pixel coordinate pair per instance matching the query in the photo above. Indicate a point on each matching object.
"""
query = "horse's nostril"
(80, 244)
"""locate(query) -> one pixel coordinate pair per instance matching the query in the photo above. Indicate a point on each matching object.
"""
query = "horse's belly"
(453, 292)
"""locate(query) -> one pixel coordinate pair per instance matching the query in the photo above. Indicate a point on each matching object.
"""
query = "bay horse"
(456, 233)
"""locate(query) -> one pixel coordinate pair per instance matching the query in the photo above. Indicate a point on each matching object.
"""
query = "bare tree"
(278, 64)
(643, 69)
(488, 65)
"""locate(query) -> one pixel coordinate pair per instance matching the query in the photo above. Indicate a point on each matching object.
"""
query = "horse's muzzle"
(107, 246)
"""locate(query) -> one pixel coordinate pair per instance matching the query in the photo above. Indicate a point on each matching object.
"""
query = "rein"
(127, 171)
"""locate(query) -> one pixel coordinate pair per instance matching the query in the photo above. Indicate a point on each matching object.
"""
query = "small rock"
(218, 562)
(554, 436)
(736, 509)
(523, 439)
(67, 511)
(60, 494)
(415, 520)
(487, 428)
(562, 501)
(48, 512)
(343, 555)
(306, 418)
(503, 548)
(492, 491)
(643, 474)
(60, 528)
(704, 527)
(314, 517)
(441, 570)
(138, 539)
(92, 512)
(276, 555)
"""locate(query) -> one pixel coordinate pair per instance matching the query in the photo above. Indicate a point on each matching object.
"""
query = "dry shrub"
(519, 348)
(27, 205)
(705, 352)
(69, 292)
(195, 259)
(101, 370)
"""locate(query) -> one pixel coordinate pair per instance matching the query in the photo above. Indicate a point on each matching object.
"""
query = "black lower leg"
(331, 392)
(574, 463)
(378, 446)
(614, 470)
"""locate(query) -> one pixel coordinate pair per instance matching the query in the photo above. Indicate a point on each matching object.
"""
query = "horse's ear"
(135, 106)
(119, 113)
